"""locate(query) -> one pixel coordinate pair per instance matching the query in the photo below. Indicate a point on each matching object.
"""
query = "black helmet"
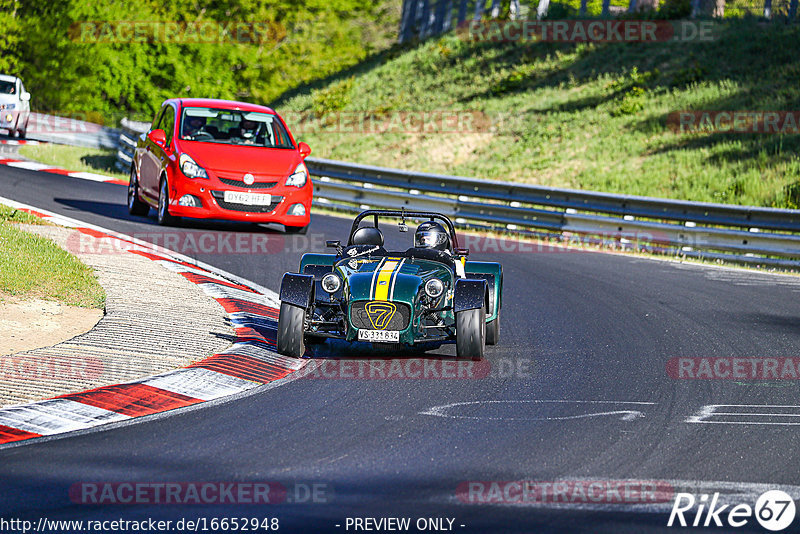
(431, 234)
(368, 235)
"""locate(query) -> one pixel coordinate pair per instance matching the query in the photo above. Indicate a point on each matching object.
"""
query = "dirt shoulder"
(32, 323)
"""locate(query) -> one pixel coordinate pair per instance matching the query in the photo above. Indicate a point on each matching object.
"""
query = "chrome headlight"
(434, 288)
(299, 177)
(331, 283)
(190, 168)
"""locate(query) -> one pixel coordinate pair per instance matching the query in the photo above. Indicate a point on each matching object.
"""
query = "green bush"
(332, 98)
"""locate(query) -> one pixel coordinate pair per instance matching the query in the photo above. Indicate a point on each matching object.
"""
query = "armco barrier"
(742, 234)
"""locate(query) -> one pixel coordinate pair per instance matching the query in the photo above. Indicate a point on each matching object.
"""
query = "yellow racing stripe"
(384, 278)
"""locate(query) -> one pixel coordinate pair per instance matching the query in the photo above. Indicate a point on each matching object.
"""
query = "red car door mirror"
(304, 149)
(158, 137)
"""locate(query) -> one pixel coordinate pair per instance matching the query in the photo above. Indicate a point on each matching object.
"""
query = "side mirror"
(25, 97)
(158, 137)
(304, 149)
(335, 244)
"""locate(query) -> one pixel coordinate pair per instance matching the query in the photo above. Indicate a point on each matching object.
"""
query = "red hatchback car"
(218, 159)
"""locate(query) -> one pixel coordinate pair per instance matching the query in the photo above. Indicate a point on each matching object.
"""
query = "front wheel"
(135, 205)
(493, 330)
(291, 330)
(470, 333)
(164, 218)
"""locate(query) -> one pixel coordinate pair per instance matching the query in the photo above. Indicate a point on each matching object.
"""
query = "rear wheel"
(135, 205)
(164, 218)
(470, 333)
(493, 330)
(291, 329)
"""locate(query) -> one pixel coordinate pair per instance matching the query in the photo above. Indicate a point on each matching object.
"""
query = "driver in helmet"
(433, 236)
(249, 130)
(192, 126)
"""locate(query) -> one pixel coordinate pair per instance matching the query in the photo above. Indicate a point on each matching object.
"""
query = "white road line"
(762, 417)
(626, 415)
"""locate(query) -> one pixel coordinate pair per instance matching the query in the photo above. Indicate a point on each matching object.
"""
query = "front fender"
(470, 294)
(297, 289)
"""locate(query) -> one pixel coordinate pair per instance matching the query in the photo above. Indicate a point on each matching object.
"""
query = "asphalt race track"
(578, 390)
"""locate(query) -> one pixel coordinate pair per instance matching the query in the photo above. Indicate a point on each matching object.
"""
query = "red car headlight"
(299, 177)
(190, 168)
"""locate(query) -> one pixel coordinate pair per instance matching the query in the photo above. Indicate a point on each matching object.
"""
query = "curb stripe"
(9, 434)
(238, 305)
(35, 166)
(55, 416)
(243, 367)
(201, 383)
(202, 279)
(133, 400)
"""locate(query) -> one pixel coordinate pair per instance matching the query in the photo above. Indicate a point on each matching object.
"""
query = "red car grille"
(220, 195)
(239, 183)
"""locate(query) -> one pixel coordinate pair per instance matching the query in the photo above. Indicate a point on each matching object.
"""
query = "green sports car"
(421, 297)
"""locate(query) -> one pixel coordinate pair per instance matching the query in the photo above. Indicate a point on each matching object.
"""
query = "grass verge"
(33, 266)
(75, 158)
(579, 115)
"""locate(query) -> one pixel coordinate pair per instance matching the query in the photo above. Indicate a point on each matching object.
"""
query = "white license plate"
(248, 199)
(387, 336)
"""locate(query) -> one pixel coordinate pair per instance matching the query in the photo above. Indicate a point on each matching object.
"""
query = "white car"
(15, 106)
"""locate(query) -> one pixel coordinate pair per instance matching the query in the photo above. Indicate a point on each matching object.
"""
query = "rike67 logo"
(774, 510)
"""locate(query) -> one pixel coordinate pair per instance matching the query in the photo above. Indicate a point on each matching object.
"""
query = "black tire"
(291, 330)
(164, 218)
(135, 204)
(470, 333)
(296, 229)
(493, 330)
(22, 134)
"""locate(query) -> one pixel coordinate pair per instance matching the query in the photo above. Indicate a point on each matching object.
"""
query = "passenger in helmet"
(433, 235)
(249, 129)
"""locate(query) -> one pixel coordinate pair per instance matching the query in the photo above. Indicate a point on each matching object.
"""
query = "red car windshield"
(233, 127)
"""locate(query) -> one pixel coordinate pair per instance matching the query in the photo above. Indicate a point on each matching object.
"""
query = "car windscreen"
(7, 88)
(233, 127)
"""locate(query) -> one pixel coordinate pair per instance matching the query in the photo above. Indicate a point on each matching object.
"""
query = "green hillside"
(588, 116)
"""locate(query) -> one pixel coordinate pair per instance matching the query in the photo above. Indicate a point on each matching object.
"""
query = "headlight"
(190, 168)
(299, 177)
(434, 288)
(331, 283)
